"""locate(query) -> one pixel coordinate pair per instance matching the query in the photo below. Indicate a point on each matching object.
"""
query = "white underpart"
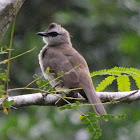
(48, 76)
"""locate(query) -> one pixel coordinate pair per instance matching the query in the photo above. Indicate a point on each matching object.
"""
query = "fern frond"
(106, 82)
(117, 71)
(123, 83)
(106, 72)
(137, 80)
(122, 75)
(133, 71)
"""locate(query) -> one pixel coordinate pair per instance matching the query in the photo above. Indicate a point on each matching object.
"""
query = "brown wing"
(61, 63)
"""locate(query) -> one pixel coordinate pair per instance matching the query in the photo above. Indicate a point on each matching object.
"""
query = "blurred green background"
(106, 33)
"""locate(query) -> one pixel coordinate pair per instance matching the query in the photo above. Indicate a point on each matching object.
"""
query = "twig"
(125, 97)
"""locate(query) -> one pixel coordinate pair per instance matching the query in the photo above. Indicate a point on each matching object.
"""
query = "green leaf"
(121, 116)
(7, 104)
(1, 90)
(3, 76)
(137, 80)
(67, 106)
(77, 103)
(70, 106)
(123, 83)
(122, 74)
(61, 74)
(91, 121)
(47, 70)
(84, 120)
(114, 71)
(106, 82)
(117, 71)
(2, 87)
(92, 124)
(44, 84)
(108, 116)
(2, 95)
(40, 83)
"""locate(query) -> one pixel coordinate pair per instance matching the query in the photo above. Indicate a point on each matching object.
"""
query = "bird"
(58, 55)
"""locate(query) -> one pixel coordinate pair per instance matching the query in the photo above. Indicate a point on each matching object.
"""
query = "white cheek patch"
(45, 40)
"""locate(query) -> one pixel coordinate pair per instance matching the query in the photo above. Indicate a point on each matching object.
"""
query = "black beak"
(42, 34)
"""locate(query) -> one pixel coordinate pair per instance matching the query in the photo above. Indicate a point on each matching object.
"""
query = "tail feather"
(94, 99)
(97, 105)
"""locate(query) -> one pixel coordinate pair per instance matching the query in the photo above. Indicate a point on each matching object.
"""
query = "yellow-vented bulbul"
(59, 55)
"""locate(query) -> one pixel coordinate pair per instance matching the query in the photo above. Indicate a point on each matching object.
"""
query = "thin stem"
(59, 76)
(70, 104)
(9, 55)
(38, 89)
(33, 81)
(10, 48)
(24, 88)
(9, 59)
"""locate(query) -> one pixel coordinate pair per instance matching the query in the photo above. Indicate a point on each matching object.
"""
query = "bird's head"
(55, 35)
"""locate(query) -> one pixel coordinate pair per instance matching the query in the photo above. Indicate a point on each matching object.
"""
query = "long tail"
(94, 99)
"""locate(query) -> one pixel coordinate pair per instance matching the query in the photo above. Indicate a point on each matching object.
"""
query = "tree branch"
(8, 9)
(51, 99)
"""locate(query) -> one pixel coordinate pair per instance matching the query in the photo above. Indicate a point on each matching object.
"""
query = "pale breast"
(46, 75)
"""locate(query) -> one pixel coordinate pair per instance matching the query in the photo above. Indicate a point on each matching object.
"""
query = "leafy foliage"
(7, 104)
(90, 16)
(106, 82)
(91, 120)
(121, 74)
(123, 83)
(117, 71)
(45, 85)
(108, 116)
(3, 76)
(92, 124)
(137, 80)
(70, 106)
(42, 83)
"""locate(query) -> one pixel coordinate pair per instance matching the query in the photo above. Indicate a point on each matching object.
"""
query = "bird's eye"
(53, 34)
